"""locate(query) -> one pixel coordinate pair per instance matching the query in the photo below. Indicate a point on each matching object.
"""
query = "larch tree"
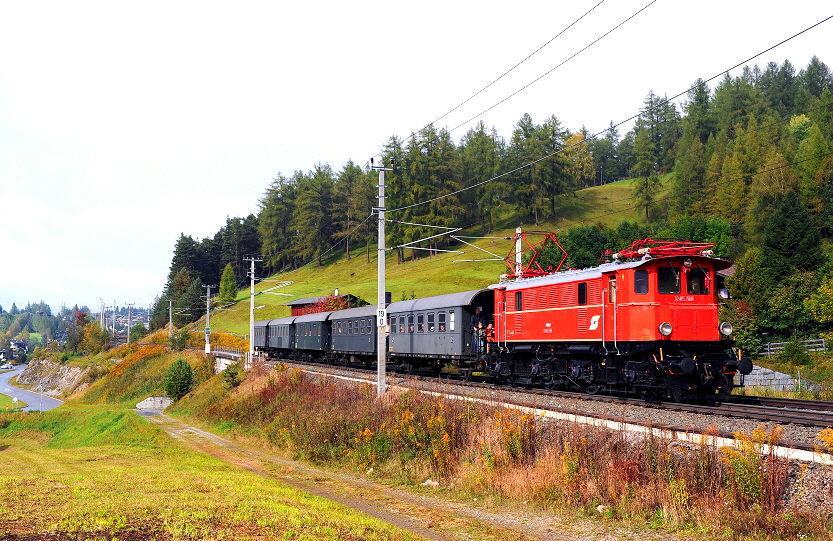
(228, 285)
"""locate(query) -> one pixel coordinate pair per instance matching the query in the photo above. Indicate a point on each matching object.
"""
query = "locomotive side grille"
(531, 299)
(568, 296)
(582, 320)
(552, 297)
(594, 292)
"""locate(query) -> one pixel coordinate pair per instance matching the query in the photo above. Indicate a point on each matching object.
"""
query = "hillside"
(608, 205)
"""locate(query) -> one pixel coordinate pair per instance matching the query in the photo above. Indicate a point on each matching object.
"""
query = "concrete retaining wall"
(764, 378)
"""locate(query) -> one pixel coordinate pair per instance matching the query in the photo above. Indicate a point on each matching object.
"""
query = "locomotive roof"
(450, 300)
(578, 275)
(361, 311)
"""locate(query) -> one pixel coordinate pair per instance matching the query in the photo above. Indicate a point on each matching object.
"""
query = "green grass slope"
(424, 276)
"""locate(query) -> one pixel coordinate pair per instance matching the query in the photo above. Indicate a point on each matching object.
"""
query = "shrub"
(178, 379)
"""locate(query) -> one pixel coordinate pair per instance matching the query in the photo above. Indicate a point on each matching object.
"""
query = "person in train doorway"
(477, 329)
(489, 333)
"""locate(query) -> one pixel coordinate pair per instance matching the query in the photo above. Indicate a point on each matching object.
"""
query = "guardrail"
(775, 348)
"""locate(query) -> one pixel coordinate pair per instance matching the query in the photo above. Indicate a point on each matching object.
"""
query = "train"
(645, 322)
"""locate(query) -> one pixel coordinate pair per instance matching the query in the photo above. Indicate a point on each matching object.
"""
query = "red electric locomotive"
(647, 322)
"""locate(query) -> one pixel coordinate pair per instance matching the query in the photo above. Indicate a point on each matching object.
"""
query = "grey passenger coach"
(430, 331)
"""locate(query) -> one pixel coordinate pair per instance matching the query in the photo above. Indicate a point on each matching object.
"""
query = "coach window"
(640, 282)
(420, 322)
(451, 321)
(369, 325)
(668, 280)
(431, 323)
(410, 323)
(441, 321)
(519, 305)
(582, 293)
(402, 324)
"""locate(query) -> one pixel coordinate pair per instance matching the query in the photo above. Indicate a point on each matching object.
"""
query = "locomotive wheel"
(675, 389)
(647, 393)
(466, 374)
(549, 383)
(591, 388)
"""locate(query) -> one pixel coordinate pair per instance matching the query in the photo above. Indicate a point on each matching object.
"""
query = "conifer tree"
(228, 285)
(791, 242)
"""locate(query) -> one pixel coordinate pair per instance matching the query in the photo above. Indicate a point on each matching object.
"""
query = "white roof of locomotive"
(577, 275)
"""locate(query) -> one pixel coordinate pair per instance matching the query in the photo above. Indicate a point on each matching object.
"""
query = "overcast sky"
(124, 124)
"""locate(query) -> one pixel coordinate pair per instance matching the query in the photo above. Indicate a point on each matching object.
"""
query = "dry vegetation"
(476, 451)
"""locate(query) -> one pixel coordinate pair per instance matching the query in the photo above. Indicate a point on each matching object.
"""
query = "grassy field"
(607, 205)
(104, 473)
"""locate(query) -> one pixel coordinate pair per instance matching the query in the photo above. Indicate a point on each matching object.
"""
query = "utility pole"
(129, 319)
(252, 308)
(171, 320)
(208, 319)
(381, 312)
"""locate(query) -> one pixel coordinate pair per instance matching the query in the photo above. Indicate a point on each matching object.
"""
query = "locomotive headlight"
(726, 328)
(686, 262)
(665, 328)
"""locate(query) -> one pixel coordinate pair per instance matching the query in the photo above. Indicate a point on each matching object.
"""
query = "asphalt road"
(36, 401)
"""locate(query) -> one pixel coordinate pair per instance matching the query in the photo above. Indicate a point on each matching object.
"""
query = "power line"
(659, 104)
(515, 66)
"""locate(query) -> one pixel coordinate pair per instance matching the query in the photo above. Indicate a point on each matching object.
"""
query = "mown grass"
(102, 473)
(479, 451)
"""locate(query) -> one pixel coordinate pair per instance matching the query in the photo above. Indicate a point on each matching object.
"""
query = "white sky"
(124, 124)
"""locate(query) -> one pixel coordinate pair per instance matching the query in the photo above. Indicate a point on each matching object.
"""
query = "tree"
(647, 182)
(138, 331)
(189, 307)
(178, 379)
(314, 212)
(228, 285)
(95, 339)
(790, 241)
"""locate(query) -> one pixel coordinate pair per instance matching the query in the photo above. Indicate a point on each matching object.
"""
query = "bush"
(178, 379)
(793, 353)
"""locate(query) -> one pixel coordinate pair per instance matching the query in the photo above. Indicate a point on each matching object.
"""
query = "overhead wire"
(367, 164)
(659, 104)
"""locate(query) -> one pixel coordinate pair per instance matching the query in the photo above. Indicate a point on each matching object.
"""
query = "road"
(36, 401)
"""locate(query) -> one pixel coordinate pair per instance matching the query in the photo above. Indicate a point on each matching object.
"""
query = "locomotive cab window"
(698, 282)
(582, 293)
(668, 280)
(640, 282)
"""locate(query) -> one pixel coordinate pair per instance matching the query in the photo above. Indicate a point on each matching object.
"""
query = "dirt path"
(432, 517)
